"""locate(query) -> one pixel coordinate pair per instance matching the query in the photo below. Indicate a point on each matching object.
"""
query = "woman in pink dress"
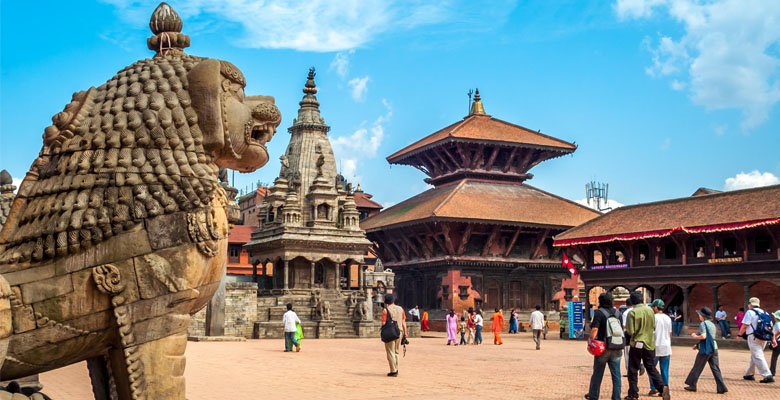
(452, 328)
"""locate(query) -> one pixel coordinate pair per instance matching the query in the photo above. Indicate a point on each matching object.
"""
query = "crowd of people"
(641, 334)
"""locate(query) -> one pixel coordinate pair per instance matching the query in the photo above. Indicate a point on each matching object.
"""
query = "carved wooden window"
(763, 244)
(234, 254)
(445, 292)
(670, 251)
(515, 294)
(729, 247)
(463, 291)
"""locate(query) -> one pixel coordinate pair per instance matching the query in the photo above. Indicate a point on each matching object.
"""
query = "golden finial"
(476, 107)
(359, 190)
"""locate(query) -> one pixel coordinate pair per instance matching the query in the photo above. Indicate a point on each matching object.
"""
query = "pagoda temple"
(308, 230)
(481, 237)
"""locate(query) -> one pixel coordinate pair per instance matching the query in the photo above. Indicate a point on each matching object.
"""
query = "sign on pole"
(576, 322)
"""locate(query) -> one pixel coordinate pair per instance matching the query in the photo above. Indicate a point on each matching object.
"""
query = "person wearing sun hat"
(757, 360)
(708, 353)
(775, 345)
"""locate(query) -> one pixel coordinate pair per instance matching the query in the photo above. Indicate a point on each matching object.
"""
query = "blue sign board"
(576, 320)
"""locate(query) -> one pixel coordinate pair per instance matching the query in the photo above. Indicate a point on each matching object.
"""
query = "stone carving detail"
(109, 246)
(361, 311)
(108, 279)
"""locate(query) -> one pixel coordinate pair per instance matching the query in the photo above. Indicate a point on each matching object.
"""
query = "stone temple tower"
(309, 240)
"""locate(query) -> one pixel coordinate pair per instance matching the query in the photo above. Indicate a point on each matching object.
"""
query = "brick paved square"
(356, 368)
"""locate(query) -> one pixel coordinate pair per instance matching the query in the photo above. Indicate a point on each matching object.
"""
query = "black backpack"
(390, 330)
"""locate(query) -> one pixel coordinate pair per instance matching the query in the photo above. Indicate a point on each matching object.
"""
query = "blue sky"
(662, 96)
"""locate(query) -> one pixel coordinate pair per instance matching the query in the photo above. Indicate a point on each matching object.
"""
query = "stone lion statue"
(119, 230)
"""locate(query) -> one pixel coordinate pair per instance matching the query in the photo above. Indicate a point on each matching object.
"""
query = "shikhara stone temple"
(481, 237)
(309, 231)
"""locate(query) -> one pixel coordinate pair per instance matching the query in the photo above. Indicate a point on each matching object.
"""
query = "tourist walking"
(624, 311)
(610, 357)
(424, 323)
(498, 325)
(452, 328)
(640, 326)
(723, 322)
(415, 313)
(663, 343)
(708, 353)
(513, 322)
(537, 325)
(678, 320)
(775, 345)
(749, 325)
(478, 323)
(463, 329)
(289, 319)
(471, 325)
(399, 317)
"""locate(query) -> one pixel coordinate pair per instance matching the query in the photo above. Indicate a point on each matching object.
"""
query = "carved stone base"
(326, 329)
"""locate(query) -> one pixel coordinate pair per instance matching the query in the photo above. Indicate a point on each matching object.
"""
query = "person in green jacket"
(640, 326)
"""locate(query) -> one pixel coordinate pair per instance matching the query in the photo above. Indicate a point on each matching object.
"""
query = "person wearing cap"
(706, 328)
(757, 360)
(640, 325)
(663, 342)
(775, 345)
(611, 358)
(392, 348)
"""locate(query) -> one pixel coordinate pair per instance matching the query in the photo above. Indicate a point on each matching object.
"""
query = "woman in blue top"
(708, 353)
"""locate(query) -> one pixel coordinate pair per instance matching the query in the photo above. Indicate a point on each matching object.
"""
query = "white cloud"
(636, 8)
(728, 52)
(666, 144)
(720, 130)
(318, 25)
(677, 85)
(359, 88)
(610, 204)
(363, 144)
(750, 180)
(17, 182)
(340, 63)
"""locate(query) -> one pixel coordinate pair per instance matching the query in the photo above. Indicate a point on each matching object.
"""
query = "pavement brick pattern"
(356, 368)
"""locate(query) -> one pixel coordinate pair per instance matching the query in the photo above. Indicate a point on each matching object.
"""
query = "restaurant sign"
(611, 266)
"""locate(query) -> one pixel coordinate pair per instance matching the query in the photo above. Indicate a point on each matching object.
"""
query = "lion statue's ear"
(206, 94)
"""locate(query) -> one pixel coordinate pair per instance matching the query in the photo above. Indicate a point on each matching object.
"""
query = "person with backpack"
(640, 325)
(606, 328)
(663, 343)
(708, 353)
(757, 327)
(393, 330)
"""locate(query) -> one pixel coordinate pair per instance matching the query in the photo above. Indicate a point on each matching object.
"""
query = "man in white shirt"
(415, 313)
(624, 317)
(757, 360)
(289, 320)
(537, 325)
(663, 342)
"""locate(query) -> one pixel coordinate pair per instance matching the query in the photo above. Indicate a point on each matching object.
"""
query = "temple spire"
(476, 107)
(309, 113)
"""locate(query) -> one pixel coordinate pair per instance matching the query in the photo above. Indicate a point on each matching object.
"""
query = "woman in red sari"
(424, 321)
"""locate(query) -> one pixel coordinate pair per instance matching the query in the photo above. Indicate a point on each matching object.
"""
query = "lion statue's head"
(149, 141)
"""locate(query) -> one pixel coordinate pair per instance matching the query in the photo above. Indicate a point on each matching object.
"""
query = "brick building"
(709, 249)
(481, 237)
(249, 203)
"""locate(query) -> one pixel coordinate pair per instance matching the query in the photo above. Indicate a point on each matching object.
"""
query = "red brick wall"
(732, 297)
(767, 292)
(700, 296)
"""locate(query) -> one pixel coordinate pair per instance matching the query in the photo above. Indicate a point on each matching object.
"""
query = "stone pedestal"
(367, 329)
(326, 329)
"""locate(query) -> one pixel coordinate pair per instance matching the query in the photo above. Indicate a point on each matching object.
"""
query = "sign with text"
(576, 320)
(612, 266)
